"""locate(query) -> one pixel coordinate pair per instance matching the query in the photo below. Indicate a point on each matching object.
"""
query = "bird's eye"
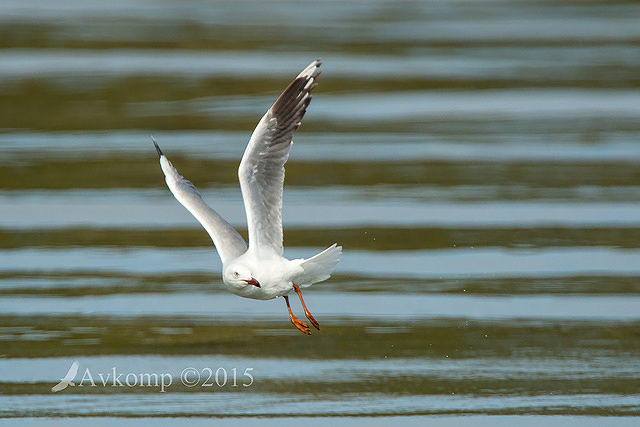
(236, 274)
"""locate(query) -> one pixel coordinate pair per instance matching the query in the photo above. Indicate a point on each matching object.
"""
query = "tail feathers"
(319, 267)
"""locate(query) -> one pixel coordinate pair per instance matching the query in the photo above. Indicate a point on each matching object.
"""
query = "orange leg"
(303, 327)
(313, 321)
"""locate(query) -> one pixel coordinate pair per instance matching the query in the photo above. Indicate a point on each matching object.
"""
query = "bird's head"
(239, 276)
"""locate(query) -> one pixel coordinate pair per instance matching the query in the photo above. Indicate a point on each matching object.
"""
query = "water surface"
(478, 161)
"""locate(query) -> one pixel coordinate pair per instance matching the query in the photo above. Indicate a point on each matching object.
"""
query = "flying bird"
(259, 270)
(68, 379)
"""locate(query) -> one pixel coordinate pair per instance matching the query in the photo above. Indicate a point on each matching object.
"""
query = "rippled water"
(478, 161)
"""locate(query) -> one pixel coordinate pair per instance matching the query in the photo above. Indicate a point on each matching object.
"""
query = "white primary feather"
(226, 239)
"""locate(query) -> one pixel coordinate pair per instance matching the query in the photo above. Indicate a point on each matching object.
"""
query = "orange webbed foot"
(313, 321)
(302, 327)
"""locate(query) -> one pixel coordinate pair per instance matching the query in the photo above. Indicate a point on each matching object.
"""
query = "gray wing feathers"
(226, 239)
(261, 170)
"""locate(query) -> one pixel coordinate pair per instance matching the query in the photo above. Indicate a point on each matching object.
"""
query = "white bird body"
(259, 270)
(275, 274)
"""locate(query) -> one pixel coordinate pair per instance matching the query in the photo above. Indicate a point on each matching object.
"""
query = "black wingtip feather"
(160, 153)
(290, 97)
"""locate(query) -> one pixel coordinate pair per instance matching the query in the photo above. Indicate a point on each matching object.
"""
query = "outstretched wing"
(261, 170)
(226, 239)
(60, 386)
(73, 370)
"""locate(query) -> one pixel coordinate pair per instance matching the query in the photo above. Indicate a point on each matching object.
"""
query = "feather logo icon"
(68, 379)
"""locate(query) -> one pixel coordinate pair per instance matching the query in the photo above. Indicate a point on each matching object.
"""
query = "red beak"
(253, 282)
